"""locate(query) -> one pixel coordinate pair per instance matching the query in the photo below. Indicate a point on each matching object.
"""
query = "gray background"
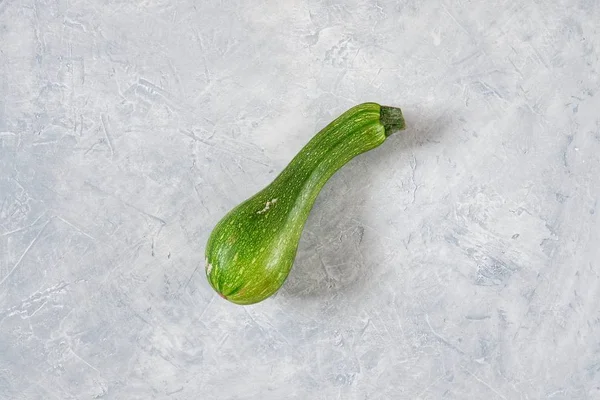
(457, 261)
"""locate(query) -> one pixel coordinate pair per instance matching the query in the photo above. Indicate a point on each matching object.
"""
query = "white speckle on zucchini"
(267, 206)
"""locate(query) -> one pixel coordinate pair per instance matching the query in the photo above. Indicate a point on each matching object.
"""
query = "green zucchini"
(251, 250)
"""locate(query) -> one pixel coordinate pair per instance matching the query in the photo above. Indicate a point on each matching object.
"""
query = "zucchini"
(251, 250)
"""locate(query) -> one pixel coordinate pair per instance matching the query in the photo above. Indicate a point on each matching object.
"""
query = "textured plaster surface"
(460, 260)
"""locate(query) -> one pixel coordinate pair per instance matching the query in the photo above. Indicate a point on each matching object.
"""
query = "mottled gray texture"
(460, 260)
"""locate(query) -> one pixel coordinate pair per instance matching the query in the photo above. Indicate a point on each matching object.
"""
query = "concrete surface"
(460, 260)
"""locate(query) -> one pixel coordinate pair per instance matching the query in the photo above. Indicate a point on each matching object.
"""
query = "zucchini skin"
(251, 250)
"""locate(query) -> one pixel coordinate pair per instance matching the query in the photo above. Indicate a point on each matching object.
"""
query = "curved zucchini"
(251, 250)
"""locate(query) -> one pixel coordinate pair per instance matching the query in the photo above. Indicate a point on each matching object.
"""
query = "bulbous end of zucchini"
(392, 119)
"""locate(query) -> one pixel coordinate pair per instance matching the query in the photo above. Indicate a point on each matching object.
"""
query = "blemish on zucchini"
(267, 206)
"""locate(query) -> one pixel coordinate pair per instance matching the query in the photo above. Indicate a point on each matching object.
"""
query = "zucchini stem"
(392, 119)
